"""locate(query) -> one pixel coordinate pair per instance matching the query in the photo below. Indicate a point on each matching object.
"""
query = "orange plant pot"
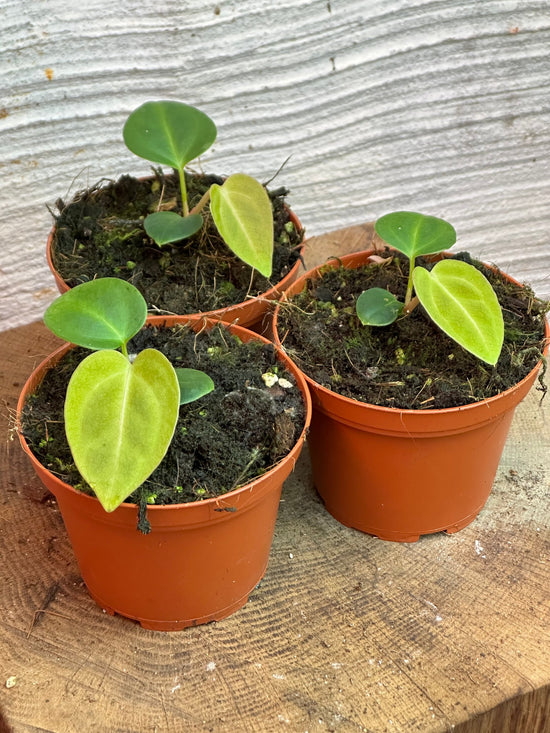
(253, 313)
(201, 559)
(399, 474)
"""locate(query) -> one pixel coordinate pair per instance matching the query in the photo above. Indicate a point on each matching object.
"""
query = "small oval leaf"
(119, 420)
(461, 301)
(165, 227)
(377, 307)
(193, 384)
(242, 213)
(415, 234)
(100, 314)
(171, 133)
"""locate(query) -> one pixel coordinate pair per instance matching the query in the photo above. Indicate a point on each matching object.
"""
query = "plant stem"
(411, 305)
(202, 203)
(410, 283)
(124, 349)
(183, 190)
(254, 455)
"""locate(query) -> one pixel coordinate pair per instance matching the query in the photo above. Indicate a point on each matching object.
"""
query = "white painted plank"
(431, 105)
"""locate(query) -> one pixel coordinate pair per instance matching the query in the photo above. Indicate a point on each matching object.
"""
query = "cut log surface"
(344, 633)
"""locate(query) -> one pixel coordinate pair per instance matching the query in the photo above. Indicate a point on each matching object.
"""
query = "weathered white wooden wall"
(440, 106)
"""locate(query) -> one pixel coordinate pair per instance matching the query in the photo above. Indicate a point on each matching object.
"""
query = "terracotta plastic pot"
(254, 313)
(201, 559)
(399, 474)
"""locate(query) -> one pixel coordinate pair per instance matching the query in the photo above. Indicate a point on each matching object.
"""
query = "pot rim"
(205, 504)
(358, 258)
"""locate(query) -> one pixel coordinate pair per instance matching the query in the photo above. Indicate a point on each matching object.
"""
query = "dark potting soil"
(410, 364)
(100, 234)
(222, 441)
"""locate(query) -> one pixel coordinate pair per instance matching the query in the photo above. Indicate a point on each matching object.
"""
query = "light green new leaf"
(100, 314)
(461, 301)
(415, 234)
(377, 307)
(193, 384)
(119, 420)
(242, 212)
(167, 226)
(170, 133)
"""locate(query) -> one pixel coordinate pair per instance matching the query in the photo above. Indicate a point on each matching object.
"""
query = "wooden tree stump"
(345, 632)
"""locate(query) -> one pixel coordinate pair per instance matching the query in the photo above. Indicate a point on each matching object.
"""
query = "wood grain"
(530, 712)
(427, 105)
(345, 632)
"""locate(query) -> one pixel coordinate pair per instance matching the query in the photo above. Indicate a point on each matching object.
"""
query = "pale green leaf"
(170, 133)
(415, 234)
(100, 314)
(193, 384)
(461, 301)
(120, 419)
(242, 212)
(165, 227)
(377, 307)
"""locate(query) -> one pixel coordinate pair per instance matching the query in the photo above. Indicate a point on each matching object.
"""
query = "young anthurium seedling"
(120, 412)
(174, 134)
(456, 296)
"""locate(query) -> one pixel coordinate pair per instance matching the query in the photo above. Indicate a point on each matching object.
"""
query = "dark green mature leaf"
(193, 384)
(377, 307)
(415, 234)
(170, 133)
(167, 226)
(461, 301)
(120, 418)
(100, 314)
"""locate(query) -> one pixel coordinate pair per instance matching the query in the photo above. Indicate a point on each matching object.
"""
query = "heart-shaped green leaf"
(242, 212)
(100, 314)
(377, 307)
(461, 301)
(167, 226)
(119, 420)
(193, 384)
(170, 133)
(415, 234)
